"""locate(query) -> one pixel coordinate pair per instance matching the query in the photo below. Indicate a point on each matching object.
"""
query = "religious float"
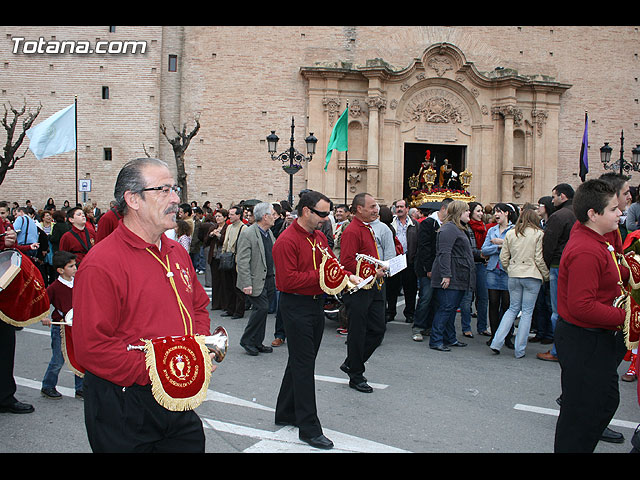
(431, 185)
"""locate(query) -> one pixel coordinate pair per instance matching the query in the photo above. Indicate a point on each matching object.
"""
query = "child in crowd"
(60, 296)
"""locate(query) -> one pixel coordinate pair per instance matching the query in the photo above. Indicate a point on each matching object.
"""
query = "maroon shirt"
(357, 238)
(293, 257)
(69, 243)
(123, 294)
(588, 281)
(107, 224)
(60, 297)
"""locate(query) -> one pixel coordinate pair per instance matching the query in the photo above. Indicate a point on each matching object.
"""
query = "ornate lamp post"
(291, 155)
(621, 163)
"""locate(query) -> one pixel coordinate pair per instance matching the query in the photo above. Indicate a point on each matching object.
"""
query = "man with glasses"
(297, 256)
(136, 284)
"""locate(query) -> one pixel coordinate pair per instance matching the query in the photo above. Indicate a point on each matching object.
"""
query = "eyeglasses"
(164, 189)
(320, 214)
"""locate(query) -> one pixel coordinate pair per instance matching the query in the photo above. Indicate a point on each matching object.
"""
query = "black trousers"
(408, 282)
(254, 332)
(128, 420)
(589, 379)
(7, 354)
(303, 319)
(367, 326)
(236, 299)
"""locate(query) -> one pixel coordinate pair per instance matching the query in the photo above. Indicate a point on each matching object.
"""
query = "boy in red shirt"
(589, 281)
(60, 296)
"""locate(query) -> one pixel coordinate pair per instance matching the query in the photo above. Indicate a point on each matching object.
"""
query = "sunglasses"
(320, 214)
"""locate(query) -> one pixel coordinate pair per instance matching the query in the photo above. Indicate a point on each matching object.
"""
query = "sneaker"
(631, 375)
(341, 331)
(51, 393)
(417, 335)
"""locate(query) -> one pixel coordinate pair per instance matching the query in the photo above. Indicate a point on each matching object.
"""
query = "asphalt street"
(468, 400)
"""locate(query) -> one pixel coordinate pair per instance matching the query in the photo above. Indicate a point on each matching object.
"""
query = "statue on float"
(449, 184)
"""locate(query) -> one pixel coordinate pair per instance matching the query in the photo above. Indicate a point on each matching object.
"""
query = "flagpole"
(346, 166)
(76, 128)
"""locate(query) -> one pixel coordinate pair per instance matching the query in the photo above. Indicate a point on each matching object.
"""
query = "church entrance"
(415, 153)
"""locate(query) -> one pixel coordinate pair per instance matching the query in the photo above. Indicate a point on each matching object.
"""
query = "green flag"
(339, 137)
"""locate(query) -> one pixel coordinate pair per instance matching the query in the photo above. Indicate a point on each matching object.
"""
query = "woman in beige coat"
(521, 258)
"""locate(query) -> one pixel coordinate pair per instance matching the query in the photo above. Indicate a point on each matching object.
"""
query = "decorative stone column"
(375, 103)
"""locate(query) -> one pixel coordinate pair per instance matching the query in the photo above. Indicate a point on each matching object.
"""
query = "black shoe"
(235, 317)
(253, 351)
(611, 436)
(496, 351)
(347, 370)
(318, 442)
(440, 348)
(226, 314)
(264, 349)
(17, 407)
(51, 393)
(80, 395)
(361, 387)
(457, 344)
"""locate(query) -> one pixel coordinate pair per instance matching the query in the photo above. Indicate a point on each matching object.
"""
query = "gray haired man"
(256, 275)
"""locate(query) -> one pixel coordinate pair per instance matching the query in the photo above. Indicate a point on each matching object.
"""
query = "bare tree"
(180, 143)
(9, 158)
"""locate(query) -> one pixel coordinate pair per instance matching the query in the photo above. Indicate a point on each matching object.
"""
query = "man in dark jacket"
(425, 254)
(556, 236)
(406, 230)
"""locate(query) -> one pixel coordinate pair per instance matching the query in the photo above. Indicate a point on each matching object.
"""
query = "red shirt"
(69, 243)
(4, 226)
(358, 237)
(296, 264)
(107, 224)
(60, 297)
(588, 281)
(123, 294)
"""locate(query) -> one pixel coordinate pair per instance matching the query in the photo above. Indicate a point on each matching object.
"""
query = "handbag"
(228, 259)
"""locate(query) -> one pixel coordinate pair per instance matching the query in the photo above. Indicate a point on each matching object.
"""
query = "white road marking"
(345, 381)
(286, 440)
(555, 413)
(283, 440)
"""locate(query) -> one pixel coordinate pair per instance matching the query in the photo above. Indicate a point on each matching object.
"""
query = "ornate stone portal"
(501, 127)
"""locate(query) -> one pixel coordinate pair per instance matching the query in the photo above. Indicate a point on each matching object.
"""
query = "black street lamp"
(621, 164)
(291, 155)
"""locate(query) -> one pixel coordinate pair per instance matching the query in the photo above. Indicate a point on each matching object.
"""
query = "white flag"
(57, 134)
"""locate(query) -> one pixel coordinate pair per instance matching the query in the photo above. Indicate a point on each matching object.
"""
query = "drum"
(23, 296)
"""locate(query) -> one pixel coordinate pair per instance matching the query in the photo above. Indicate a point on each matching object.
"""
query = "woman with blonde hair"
(521, 257)
(452, 275)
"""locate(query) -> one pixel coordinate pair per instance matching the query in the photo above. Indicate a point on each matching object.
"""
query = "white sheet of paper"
(365, 282)
(397, 264)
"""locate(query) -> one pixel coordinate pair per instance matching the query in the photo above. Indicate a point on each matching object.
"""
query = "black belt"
(312, 297)
(594, 330)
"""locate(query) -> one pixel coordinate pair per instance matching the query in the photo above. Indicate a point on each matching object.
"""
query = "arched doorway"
(414, 155)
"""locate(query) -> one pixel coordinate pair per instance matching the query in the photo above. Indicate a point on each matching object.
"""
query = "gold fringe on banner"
(158, 390)
(331, 271)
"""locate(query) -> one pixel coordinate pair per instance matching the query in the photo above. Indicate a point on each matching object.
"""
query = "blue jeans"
(553, 285)
(482, 302)
(50, 379)
(425, 296)
(443, 331)
(523, 293)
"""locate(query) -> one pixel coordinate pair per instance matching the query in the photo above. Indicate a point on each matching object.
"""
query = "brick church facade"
(505, 103)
